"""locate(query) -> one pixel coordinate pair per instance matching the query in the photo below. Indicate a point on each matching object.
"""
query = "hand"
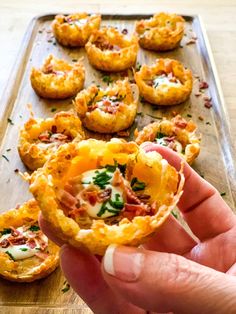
(173, 272)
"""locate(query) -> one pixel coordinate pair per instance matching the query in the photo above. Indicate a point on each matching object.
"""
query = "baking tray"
(216, 161)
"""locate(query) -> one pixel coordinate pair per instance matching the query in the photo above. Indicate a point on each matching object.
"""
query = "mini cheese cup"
(177, 134)
(39, 138)
(25, 253)
(108, 110)
(164, 83)
(111, 51)
(57, 79)
(161, 32)
(74, 30)
(129, 193)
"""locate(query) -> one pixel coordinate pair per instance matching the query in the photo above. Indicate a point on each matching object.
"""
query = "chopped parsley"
(5, 231)
(137, 185)
(10, 255)
(107, 79)
(8, 150)
(189, 115)
(112, 168)
(160, 135)
(34, 228)
(102, 179)
(23, 249)
(66, 287)
(223, 194)
(174, 214)
(9, 120)
(5, 157)
(138, 66)
(117, 204)
(104, 208)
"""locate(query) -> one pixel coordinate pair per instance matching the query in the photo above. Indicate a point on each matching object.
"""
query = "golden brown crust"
(32, 268)
(161, 32)
(164, 94)
(111, 51)
(74, 30)
(115, 120)
(163, 184)
(57, 79)
(33, 155)
(182, 130)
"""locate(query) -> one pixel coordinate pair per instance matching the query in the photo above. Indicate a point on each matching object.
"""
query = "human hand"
(172, 272)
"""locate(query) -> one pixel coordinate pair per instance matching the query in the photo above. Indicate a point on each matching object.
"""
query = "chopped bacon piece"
(111, 109)
(133, 210)
(31, 243)
(92, 197)
(42, 255)
(203, 85)
(105, 195)
(124, 31)
(54, 129)
(76, 212)
(4, 244)
(208, 104)
(67, 199)
(131, 197)
(17, 240)
(44, 137)
(180, 122)
(170, 139)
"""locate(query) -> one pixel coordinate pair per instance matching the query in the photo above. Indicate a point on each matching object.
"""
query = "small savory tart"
(177, 134)
(74, 30)
(96, 193)
(39, 138)
(110, 110)
(161, 32)
(165, 83)
(26, 254)
(110, 50)
(57, 79)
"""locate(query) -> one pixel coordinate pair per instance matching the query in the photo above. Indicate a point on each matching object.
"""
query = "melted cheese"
(22, 251)
(164, 80)
(87, 180)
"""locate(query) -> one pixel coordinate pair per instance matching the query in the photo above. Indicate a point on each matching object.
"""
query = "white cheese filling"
(164, 80)
(176, 144)
(116, 195)
(22, 251)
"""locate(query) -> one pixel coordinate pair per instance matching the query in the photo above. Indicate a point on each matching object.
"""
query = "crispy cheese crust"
(74, 30)
(57, 79)
(32, 268)
(161, 32)
(111, 51)
(182, 130)
(163, 185)
(33, 155)
(112, 118)
(164, 94)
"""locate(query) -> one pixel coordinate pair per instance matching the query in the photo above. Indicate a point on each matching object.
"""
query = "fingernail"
(124, 263)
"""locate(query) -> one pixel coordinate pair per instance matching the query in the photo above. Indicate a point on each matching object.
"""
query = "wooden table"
(218, 17)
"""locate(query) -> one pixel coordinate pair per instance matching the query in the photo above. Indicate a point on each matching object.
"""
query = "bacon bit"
(133, 210)
(44, 137)
(16, 170)
(17, 241)
(4, 244)
(42, 255)
(111, 109)
(105, 195)
(124, 31)
(31, 243)
(131, 197)
(197, 94)
(200, 118)
(203, 85)
(123, 133)
(180, 122)
(170, 139)
(92, 197)
(58, 137)
(144, 197)
(208, 104)
(14, 232)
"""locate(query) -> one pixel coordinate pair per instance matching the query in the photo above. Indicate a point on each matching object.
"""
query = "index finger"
(203, 208)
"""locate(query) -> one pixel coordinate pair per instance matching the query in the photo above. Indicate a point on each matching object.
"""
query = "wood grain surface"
(45, 296)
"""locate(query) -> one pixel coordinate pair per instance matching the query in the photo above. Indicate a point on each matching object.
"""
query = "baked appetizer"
(96, 193)
(26, 254)
(111, 51)
(165, 83)
(110, 110)
(57, 79)
(177, 134)
(161, 32)
(74, 30)
(39, 138)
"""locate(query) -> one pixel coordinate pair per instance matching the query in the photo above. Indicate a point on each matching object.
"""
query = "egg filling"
(105, 194)
(23, 242)
(164, 80)
(169, 141)
(106, 104)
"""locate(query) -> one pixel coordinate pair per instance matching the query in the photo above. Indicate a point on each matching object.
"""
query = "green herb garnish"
(117, 204)
(10, 121)
(5, 231)
(189, 115)
(174, 214)
(5, 157)
(53, 109)
(66, 288)
(102, 179)
(34, 228)
(107, 79)
(160, 135)
(8, 150)
(23, 249)
(137, 185)
(223, 194)
(10, 255)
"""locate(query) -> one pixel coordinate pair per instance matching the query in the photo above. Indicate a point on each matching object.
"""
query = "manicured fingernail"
(124, 263)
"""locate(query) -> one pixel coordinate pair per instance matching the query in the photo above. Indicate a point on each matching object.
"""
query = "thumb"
(163, 282)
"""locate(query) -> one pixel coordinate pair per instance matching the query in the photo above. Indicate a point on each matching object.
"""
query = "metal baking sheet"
(215, 162)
